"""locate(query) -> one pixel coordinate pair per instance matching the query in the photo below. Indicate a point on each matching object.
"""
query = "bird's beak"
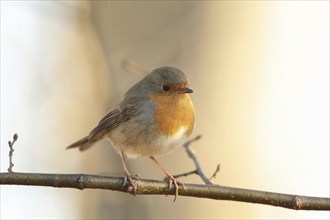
(186, 90)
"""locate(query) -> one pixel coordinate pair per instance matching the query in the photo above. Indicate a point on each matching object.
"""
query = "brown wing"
(112, 120)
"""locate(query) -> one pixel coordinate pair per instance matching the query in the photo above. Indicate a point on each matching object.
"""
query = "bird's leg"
(170, 178)
(128, 176)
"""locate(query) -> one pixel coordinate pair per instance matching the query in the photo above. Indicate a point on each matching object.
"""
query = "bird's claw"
(133, 184)
(171, 180)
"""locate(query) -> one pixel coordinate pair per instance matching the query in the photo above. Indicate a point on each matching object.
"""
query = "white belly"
(150, 145)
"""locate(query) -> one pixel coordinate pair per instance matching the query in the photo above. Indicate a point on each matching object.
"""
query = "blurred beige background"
(260, 74)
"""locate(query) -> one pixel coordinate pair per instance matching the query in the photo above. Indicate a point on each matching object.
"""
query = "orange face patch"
(174, 112)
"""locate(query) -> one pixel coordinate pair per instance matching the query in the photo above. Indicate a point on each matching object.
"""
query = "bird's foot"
(172, 181)
(132, 181)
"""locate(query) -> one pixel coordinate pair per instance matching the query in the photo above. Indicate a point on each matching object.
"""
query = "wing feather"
(112, 120)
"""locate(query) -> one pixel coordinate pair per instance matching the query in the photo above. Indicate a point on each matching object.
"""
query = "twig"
(184, 174)
(192, 156)
(11, 152)
(198, 169)
(152, 187)
(217, 170)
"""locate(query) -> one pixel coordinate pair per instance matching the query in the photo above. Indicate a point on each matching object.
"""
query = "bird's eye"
(166, 88)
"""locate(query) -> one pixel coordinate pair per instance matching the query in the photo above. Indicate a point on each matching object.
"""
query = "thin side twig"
(192, 156)
(185, 174)
(11, 152)
(217, 170)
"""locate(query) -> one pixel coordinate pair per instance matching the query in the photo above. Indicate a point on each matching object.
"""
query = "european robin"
(155, 116)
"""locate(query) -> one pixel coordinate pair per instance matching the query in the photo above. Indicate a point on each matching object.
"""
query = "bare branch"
(217, 170)
(198, 169)
(192, 156)
(152, 187)
(11, 152)
(184, 174)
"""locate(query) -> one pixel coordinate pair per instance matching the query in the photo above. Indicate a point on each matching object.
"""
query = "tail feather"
(83, 144)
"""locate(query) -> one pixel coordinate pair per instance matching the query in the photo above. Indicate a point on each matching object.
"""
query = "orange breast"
(174, 112)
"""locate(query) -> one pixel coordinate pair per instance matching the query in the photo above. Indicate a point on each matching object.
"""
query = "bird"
(154, 117)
